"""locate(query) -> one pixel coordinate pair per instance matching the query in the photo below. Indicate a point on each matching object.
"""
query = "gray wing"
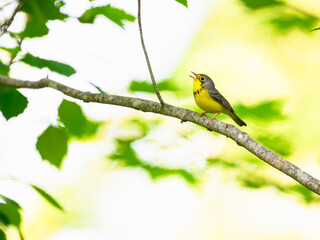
(216, 95)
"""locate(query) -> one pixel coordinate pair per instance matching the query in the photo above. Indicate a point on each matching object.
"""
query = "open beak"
(195, 75)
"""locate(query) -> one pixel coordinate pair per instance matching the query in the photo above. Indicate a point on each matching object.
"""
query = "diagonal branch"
(185, 115)
(147, 57)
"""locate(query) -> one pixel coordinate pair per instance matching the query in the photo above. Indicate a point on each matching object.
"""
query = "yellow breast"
(204, 100)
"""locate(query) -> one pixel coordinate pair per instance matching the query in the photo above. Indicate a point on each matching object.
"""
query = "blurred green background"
(121, 174)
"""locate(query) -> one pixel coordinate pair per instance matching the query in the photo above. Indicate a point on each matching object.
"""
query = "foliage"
(125, 153)
(3, 235)
(277, 144)
(54, 66)
(286, 17)
(39, 12)
(12, 51)
(248, 172)
(264, 111)
(4, 69)
(183, 2)
(47, 197)
(74, 120)
(52, 144)
(258, 4)
(12, 102)
(10, 214)
(73, 124)
(146, 86)
(286, 22)
(116, 15)
(10, 211)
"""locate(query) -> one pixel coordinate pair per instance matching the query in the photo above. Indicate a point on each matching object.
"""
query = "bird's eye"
(202, 78)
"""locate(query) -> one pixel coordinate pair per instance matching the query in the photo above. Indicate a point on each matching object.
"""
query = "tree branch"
(228, 130)
(146, 55)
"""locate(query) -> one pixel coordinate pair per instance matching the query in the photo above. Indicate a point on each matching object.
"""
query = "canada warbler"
(210, 100)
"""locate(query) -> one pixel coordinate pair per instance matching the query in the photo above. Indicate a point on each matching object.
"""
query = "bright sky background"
(122, 203)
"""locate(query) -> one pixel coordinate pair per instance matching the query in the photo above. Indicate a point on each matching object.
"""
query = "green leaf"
(52, 145)
(146, 86)
(315, 29)
(307, 195)
(116, 15)
(286, 22)
(277, 144)
(258, 4)
(126, 154)
(4, 69)
(39, 12)
(34, 28)
(75, 121)
(251, 183)
(9, 212)
(12, 102)
(12, 51)
(223, 163)
(54, 66)
(47, 197)
(159, 172)
(264, 111)
(183, 2)
(3, 235)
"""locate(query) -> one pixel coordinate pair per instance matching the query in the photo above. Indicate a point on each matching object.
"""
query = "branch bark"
(185, 115)
(147, 57)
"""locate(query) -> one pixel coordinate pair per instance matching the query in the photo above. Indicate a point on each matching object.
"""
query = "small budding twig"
(146, 55)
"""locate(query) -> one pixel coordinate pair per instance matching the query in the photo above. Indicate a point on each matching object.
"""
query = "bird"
(210, 100)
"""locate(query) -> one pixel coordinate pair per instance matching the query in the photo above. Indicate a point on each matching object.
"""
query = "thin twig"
(146, 55)
(4, 27)
(12, 58)
(185, 115)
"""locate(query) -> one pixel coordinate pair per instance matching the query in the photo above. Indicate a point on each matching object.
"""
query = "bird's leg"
(215, 116)
(201, 115)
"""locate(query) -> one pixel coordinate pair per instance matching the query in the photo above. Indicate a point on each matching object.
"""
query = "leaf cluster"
(125, 153)
(10, 211)
(249, 173)
(53, 143)
(285, 17)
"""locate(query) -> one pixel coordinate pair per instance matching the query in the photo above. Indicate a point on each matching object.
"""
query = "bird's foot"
(204, 113)
(215, 116)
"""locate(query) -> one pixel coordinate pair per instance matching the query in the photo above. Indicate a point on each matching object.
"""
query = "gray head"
(205, 80)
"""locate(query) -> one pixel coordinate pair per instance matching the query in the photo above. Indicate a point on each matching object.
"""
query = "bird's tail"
(235, 118)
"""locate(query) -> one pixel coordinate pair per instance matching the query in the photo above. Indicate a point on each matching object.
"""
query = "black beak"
(195, 75)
